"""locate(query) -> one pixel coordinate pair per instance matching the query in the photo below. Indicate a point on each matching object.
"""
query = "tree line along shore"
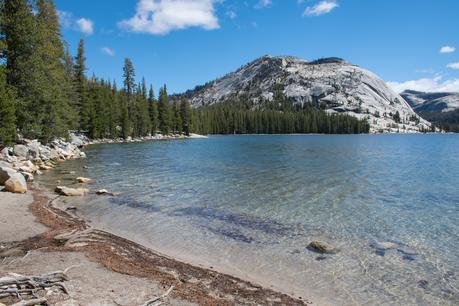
(45, 92)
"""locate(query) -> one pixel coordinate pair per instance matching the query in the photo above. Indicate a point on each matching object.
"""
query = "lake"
(250, 205)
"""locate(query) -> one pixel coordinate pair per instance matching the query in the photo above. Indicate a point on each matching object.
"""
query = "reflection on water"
(249, 205)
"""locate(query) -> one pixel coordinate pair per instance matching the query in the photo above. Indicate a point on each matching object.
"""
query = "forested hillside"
(45, 92)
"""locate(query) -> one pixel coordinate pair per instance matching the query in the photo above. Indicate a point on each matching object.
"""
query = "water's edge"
(62, 203)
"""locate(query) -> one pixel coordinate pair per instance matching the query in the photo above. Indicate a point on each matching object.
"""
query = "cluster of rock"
(140, 139)
(19, 164)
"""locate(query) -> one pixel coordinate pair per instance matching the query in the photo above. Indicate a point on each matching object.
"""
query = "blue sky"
(184, 43)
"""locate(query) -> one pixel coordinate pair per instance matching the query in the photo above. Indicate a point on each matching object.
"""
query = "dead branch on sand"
(20, 286)
(159, 300)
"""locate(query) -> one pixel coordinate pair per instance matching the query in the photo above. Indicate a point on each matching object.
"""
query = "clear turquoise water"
(249, 205)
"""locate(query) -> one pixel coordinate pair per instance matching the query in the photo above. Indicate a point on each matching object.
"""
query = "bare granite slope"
(331, 83)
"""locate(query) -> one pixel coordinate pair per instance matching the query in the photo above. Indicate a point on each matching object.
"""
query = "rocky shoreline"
(68, 234)
(21, 162)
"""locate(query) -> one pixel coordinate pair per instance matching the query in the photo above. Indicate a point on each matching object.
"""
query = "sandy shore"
(36, 238)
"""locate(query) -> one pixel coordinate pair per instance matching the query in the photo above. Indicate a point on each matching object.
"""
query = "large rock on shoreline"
(5, 174)
(71, 192)
(20, 162)
(16, 183)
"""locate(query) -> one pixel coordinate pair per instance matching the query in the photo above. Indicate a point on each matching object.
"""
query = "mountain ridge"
(431, 101)
(328, 83)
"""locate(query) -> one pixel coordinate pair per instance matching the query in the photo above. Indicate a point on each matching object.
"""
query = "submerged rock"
(45, 167)
(71, 192)
(382, 247)
(322, 247)
(16, 183)
(385, 245)
(102, 192)
(83, 180)
(407, 250)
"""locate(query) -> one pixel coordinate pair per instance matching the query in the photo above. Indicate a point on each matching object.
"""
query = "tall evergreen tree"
(125, 123)
(142, 122)
(143, 88)
(185, 114)
(129, 91)
(56, 84)
(163, 111)
(129, 77)
(7, 111)
(153, 110)
(23, 64)
(176, 118)
(80, 85)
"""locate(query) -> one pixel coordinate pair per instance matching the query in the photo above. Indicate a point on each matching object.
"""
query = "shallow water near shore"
(250, 205)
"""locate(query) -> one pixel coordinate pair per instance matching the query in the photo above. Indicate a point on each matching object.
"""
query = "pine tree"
(57, 111)
(125, 123)
(163, 111)
(176, 117)
(129, 91)
(80, 86)
(397, 117)
(185, 114)
(22, 63)
(129, 77)
(143, 89)
(153, 111)
(7, 111)
(115, 111)
(142, 121)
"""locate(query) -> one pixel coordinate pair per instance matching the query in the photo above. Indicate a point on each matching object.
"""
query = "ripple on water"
(252, 204)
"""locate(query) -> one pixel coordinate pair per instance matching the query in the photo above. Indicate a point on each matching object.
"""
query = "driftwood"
(20, 286)
(31, 302)
(159, 300)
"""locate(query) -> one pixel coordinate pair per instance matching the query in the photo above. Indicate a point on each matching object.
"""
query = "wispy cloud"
(163, 16)
(447, 49)
(85, 26)
(65, 19)
(263, 3)
(435, 84)
(321, 8)
(453, 65)
(108, 51)
(68, 21)
(231, 14)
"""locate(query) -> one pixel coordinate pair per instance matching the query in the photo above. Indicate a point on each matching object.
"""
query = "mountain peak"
(329, 83)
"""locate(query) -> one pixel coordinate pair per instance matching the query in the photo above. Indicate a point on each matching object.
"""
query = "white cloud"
(65, 19)
(85, 25)
(321, 8)
(164, 16)
(453, 65)
(435, 84)
(263, 3)
(447, 49)
(108, 51)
